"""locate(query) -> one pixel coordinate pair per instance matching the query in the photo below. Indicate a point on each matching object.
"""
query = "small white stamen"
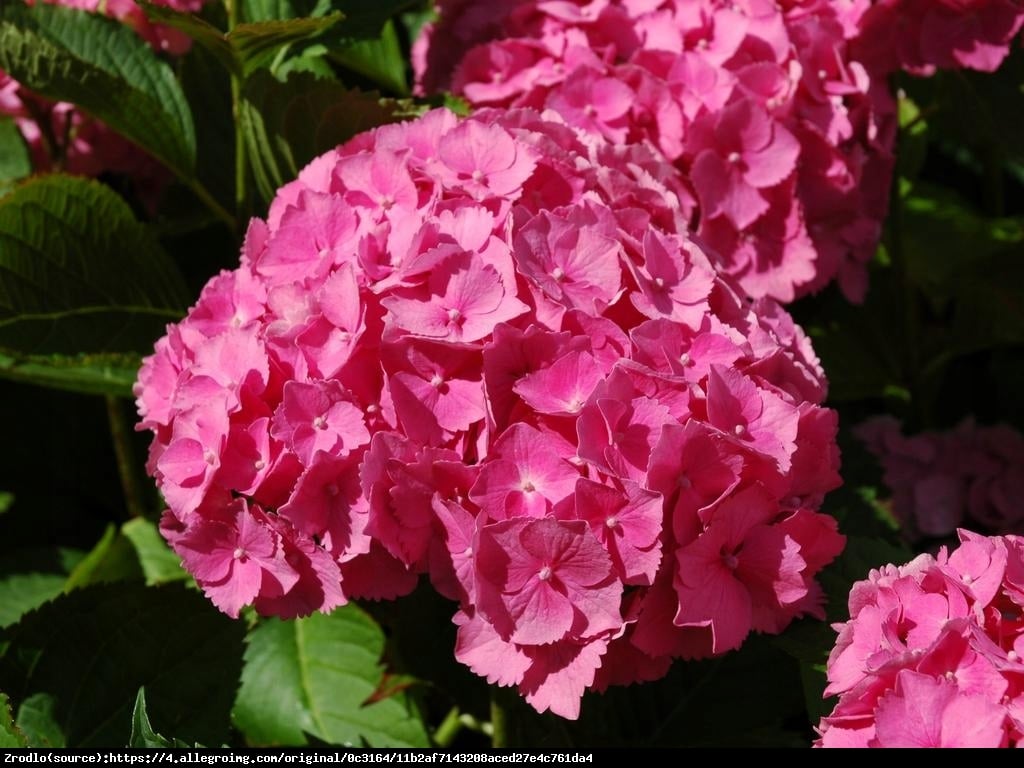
(209, 456)
(544, 574)
(436, 381)
(822, 74)
(740, 430)
(558, 273)
(734, 157)
(477, 176)
(685, 358)
(527, 486)
(659, 283)
(238, 554)
(454, 316)
(612, 521)
(319, 422)
(259, 465)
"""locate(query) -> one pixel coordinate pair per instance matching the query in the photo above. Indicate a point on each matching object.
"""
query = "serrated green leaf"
(314, 676)
(37, 721)
(106, 69)
(15, 161)
(22, 592)
(85, 287)
(10, 736)
(91, 650)
(248, 46)
(285, 125)
(159, 563)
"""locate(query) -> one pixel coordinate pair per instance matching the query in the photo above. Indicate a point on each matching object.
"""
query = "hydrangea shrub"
(488, 351)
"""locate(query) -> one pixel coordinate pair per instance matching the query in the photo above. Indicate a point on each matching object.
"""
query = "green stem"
(211, 203)
(449, 728)
(241, 162)
(121, 436)
(499, 719)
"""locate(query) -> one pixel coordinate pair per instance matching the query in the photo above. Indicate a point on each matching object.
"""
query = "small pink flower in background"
(531, 387)
(931, 654)
(971, 475)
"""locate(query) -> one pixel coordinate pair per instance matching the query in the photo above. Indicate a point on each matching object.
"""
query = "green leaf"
(105, 68)
(142, 734)
(10, 736)
(112, 559)
(22, 592)
(15, 161)
(248, 46)
(159, 563)
(37, 720)
(366, 43)
(363, 20)
(91, 650)
(256, 43)
(85, 287)
(104, 374)
(201, 31)
(285, 125)
(6, 501)
(379, 59)
(313, 676)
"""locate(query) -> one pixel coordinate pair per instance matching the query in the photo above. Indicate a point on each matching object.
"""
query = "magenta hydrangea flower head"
(921, 36)
(486, 351)
(931, 655)
(784, 138)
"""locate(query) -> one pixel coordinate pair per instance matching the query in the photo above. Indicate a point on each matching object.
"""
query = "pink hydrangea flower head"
(778, 129)
(532, 386)
(931, 654)
(969, 475)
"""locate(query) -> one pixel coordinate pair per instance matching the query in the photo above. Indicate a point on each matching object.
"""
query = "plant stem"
(449, 728)
(241, 162)
(121, 437)
(499, 719)
(211, 203)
